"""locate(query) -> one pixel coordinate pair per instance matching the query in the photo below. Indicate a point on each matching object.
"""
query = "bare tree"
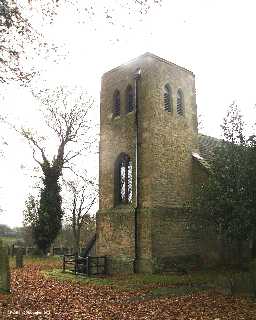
(83, 195)
(20, 35)
(21, 38)
(67, 118)
(12, 24)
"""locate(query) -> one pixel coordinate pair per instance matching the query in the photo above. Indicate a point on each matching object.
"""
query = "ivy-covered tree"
(67, 119)
(44, 216)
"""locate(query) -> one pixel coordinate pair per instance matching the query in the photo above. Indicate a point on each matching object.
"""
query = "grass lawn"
(154, 285)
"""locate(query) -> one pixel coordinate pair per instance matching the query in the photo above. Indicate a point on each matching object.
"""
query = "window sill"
(130, 113)
(123, 206)
(115, 117)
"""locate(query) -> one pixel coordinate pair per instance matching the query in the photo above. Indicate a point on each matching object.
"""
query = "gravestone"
(19, 258)
(4, 269)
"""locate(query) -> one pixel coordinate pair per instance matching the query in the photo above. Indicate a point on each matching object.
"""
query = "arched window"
(180, 103)
(167, 98)
(123, 179)
(129, 99)
(116, 103)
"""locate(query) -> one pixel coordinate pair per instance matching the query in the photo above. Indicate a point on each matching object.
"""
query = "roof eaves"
(201, 161)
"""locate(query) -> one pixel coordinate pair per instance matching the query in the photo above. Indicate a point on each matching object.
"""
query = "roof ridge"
(206, 135)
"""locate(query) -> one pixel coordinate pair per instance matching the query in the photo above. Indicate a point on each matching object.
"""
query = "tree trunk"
(77, 242)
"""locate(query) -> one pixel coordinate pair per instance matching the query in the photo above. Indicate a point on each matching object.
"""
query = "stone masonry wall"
(166, 139)
(115, 238)
(174, 245)
(165, 168)
(166, 241)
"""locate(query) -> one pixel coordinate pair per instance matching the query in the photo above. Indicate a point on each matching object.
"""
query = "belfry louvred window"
(167, 98)
(180, 103)
(129, 99)
(124, 179)
(116, 103)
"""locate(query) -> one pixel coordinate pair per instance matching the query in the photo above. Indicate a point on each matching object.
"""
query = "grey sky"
(214, 39)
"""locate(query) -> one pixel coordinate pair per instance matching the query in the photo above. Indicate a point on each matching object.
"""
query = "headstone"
(19, 258)
(13, 250)
(4, 269)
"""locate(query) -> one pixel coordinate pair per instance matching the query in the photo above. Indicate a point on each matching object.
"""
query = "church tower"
(148, 132)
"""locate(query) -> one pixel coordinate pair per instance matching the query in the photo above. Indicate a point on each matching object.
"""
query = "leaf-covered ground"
(35, 296)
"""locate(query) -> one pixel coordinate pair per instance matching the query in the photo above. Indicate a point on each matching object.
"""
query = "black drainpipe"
(137, 76)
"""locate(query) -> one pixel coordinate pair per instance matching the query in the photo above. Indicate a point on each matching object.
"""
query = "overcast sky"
(215, 39)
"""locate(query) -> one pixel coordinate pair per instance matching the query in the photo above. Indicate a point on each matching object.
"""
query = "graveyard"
(40, 290)
(128, 160)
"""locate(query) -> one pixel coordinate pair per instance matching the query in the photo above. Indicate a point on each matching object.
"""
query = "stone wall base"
(179, 263)
(164, 240)
(144, 265)
(126, 265)
(120, 265)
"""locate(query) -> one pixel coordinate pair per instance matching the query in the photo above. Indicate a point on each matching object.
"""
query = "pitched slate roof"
(208, 146)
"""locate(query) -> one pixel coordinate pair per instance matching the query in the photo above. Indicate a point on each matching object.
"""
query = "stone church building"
(151, 157)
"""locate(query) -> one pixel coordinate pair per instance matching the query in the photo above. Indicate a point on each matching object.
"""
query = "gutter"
(137, 76)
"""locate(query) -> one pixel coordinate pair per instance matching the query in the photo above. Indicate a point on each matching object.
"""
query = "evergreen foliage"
(227, 199)
(48, 223)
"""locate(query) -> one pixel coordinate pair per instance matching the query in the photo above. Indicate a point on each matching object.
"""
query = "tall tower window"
(167, 98)
(180, 103)
(123, 179)
(116, 103)
(129, 99)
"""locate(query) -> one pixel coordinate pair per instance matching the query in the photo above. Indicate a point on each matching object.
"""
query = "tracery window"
(116, 103)
(167, 98)
(124, 179)
(129, 99)
(180, 103)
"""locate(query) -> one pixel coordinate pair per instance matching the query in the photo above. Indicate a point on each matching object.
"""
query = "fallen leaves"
(35, 296)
